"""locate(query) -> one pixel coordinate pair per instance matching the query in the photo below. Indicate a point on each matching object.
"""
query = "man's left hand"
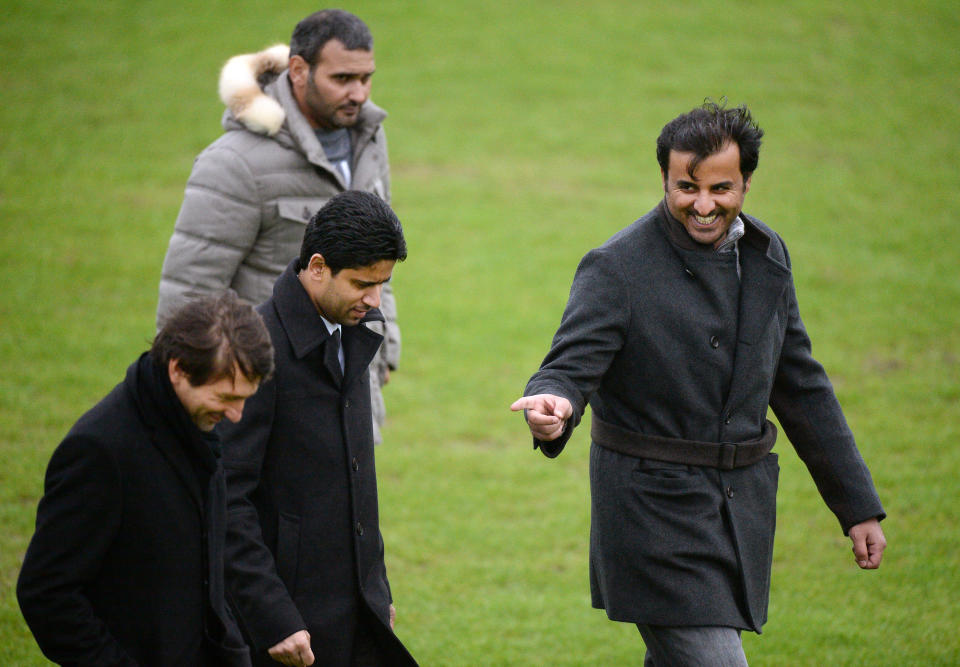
(868, 544)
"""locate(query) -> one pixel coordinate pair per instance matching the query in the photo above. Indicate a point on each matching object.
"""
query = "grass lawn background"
(521, 135)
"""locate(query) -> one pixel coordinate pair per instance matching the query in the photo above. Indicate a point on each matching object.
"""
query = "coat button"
(729, 492)
(355, 464)
(728, 420)
(346, 403)
(688, 272)
(714, 342)
(359, 529)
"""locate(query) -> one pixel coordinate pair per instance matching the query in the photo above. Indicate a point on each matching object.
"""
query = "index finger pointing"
(522, 403)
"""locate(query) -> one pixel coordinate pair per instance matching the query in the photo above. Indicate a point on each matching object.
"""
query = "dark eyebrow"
(368, 283)
(353, 75)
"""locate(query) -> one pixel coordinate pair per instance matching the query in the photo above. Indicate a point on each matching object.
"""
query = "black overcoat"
(662, 338)
(126, 565)
(304, 544)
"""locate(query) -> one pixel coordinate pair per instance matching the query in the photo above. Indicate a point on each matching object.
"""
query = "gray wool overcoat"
(662, 337)
(304, 549)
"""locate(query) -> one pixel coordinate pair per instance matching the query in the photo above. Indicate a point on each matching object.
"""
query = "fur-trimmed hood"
(240, 88)
(259, 101)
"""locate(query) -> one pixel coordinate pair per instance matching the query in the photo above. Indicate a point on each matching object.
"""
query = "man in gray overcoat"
(680, 331)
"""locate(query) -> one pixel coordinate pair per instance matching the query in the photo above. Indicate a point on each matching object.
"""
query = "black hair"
(352, 230)
(313, 32)
(704, 131)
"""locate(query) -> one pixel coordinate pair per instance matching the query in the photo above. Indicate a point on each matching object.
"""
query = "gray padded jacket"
(247, 203)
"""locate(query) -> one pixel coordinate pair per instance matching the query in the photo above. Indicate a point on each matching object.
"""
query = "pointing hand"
(546, 414)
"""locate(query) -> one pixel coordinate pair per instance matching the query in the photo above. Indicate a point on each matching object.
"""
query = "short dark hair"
(352, 230)
(209, 335)
(313, 32)
(704, 131)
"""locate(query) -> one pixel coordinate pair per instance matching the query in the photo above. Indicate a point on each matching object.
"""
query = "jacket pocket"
(222, 654)
(660, 475)
(299, 209)
(288, 548)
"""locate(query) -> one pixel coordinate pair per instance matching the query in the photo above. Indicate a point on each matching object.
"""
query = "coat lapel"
(360, 344)
(302, 323)
(306, 331)
(331, 359)
(762, 283)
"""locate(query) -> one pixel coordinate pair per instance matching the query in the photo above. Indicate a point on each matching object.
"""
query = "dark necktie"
(335, 344)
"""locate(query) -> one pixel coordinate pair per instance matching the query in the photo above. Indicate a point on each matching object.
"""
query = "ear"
(746, 183)
(175, 372)
(299, 72)
(663, 177)
(316, 266)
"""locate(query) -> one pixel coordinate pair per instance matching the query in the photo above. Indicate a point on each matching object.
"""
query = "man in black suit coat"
(680, 331)
(305, 561)
(126, 565)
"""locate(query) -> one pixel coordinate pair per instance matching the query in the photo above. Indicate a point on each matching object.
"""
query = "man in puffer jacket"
(299, 128)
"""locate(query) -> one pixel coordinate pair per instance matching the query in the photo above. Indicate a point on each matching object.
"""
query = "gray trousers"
(703, 646)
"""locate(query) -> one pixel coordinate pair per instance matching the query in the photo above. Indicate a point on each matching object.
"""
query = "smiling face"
(331, 94)
(345, 297)
(709, 200)
(207, 404)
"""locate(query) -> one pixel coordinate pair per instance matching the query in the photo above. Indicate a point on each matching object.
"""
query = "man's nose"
(372, 297)
(359, 92)
(704, 204)
(234, 411)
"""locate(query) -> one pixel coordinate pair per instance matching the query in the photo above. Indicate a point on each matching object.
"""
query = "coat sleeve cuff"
(877, 514)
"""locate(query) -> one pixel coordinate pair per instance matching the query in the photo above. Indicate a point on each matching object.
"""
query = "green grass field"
(521, 135)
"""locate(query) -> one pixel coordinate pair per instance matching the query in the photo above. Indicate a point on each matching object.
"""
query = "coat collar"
(763, 278)
(306, 331)
(763, 281)
(180, 442)
(302, 323)
(676, 233)
(755, 234)
(763, 274)
(679, 237)
(296, 132)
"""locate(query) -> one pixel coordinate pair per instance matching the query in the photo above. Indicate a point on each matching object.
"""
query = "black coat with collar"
(304, 544)
(126, 565)
(661, 337)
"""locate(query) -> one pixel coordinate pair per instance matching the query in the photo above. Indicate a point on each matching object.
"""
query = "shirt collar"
(734, 234)
(331, 327)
